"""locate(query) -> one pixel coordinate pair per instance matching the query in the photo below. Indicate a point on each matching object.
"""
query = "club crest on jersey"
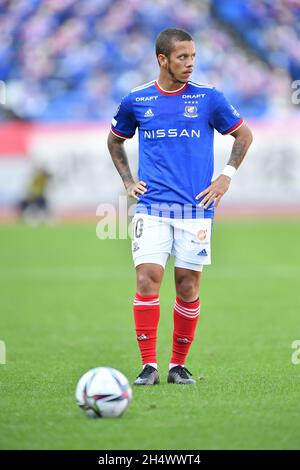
(190, 111)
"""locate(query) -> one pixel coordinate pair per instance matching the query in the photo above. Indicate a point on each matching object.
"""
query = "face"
(180, 64)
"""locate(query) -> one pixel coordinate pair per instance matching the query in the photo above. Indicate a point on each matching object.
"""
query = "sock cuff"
(188, 305)
(146, 300)
(189, 310)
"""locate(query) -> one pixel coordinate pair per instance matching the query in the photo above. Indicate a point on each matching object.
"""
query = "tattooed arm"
(217, 189)
(119, 157)
(243, 139)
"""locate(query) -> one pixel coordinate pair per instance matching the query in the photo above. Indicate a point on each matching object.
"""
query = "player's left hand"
(214, 192)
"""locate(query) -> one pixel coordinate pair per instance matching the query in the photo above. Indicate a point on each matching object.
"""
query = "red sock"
(186, 316)
(146, 316)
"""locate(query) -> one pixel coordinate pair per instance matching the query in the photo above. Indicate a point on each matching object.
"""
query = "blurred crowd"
(75, 59)
(270, 27)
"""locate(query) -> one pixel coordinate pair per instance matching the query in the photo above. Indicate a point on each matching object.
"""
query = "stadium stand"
(73, 60)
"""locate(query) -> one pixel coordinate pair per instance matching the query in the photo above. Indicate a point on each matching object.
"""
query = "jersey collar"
(170, 93)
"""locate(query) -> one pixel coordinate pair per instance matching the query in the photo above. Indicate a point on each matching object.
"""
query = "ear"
(162, 60)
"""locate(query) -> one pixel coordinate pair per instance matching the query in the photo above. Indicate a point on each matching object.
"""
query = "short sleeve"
(224, 117)
(124, 123)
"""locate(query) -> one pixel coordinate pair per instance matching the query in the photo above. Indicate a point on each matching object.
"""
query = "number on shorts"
(138, 230)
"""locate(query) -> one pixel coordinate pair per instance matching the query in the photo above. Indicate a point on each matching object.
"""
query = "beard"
(173, 76)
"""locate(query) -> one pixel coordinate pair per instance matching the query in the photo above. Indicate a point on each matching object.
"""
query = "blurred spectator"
(34, 207)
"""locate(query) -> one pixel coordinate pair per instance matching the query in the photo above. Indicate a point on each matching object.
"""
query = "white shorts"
(155, 238)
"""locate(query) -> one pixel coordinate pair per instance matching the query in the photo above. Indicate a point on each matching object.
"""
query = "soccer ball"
(103, 392)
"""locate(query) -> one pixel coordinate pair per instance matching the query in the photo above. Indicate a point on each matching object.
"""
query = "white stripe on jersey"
(141, 87)
(199, 85)
(120, 136)
(228, 133)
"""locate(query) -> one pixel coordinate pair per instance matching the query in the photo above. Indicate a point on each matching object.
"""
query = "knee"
(187, 288)
(148, 282)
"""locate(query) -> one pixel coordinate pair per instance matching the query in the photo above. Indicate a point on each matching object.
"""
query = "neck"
(169, 83)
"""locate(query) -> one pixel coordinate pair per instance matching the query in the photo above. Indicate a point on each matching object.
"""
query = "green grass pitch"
(66, 306)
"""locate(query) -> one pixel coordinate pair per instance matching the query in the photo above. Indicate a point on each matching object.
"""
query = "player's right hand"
(136, 188)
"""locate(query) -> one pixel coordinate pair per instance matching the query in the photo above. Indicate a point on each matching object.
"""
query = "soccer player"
(176, 118)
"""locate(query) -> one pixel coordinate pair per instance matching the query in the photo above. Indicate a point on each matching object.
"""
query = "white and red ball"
(103, 392)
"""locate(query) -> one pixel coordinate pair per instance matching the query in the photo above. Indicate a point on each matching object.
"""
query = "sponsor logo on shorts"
(202, 234)
(196, 243)
(202, 253)
(135, 247)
